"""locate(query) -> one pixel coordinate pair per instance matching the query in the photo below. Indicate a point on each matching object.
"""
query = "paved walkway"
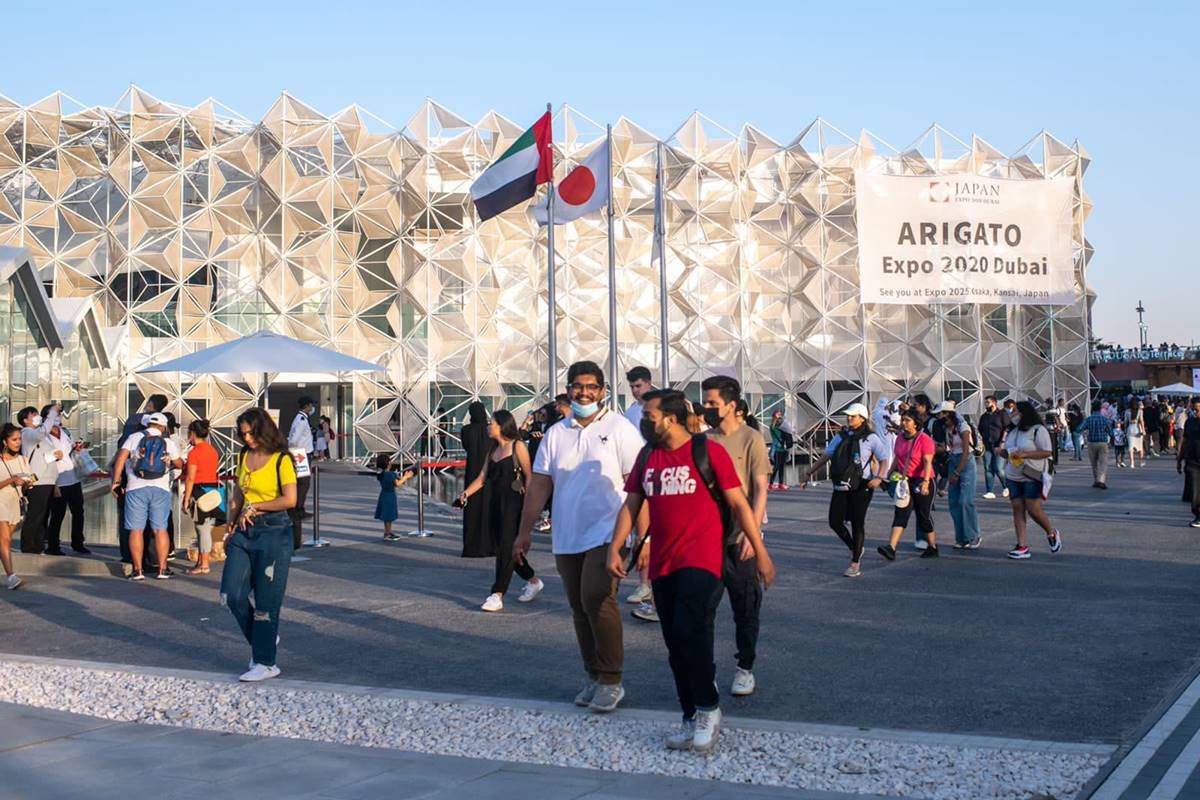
(52, 755)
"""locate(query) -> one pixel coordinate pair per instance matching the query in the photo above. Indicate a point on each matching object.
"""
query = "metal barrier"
(317, 541)
(421, 531)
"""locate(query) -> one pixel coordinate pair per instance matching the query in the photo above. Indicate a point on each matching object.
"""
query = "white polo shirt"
(588, 467)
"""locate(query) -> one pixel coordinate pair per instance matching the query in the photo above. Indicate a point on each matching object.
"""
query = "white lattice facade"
(187, 227)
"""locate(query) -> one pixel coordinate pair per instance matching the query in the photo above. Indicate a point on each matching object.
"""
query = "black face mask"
(649, 433)
(712, 417)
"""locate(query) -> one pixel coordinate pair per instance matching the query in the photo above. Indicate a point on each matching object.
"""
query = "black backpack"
(707, 475)
(845, 465)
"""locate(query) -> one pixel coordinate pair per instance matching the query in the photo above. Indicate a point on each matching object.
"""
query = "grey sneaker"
(682, 739)
(743, 683)
(708, 728)
(607, 697)
(13, 582)
(645, 612)
(584, 698)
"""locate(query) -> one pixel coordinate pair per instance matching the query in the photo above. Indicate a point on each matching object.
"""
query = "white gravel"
(560, 738)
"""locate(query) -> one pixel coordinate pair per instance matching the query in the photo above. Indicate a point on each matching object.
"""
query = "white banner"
(1196, 378)
(964, 239)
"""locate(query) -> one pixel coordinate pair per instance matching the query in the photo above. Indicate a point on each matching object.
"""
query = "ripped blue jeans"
(256, 563)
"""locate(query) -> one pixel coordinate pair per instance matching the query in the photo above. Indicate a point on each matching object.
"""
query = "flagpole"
(613, 379)
(551, 295)
(660, 245)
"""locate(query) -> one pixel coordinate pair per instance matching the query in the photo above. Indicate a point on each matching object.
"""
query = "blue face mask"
(584, 411)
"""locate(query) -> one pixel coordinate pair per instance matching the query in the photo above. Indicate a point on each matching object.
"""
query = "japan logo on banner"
(584, 190)
(964, 239)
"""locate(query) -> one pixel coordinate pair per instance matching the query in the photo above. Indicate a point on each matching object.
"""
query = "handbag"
(209, 501)
(901, 496)
(518, 484)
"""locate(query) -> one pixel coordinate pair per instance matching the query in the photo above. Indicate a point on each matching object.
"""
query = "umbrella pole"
(263, 403)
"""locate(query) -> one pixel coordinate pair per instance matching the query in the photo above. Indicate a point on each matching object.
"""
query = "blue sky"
(1121, 79)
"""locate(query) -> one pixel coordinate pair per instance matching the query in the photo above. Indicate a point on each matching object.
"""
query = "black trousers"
(922, 504)
(297, 513)
(505, 565)
(778, 462)
(33, 529)
(686, 601)
(745, 599)
(851, 507)
(69, 497)
(1193, 478)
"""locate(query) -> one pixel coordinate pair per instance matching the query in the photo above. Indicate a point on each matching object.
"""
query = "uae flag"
(584, 190)
(514, 177)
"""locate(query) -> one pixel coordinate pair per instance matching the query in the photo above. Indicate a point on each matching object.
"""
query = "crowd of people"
(671, 490)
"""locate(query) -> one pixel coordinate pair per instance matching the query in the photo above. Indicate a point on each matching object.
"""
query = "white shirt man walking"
(39, 450)
(300, 443)
(585, 460)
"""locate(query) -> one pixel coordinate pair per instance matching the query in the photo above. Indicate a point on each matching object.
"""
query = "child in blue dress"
(389, 480)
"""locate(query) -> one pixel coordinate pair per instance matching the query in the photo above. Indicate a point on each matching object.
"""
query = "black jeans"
(69, 497)
(745, 599)
(687, 601)
(33, 529)
(851, 506)
(778, 462)
(297, 513)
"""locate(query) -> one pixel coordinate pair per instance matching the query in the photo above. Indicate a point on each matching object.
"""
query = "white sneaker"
(743, 683)
(708, 727)
(494, 603)
(640, 595)
(682, 739)
(1005, 493)
(259, 672)
(531, 590)
(921, 544)
(989, 495)
(13, 582)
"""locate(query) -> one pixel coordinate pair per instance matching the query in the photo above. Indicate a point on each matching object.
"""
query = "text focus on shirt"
(685, 521)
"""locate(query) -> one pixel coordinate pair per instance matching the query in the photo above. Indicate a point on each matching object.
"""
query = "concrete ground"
(53, 755)
(1084, 646)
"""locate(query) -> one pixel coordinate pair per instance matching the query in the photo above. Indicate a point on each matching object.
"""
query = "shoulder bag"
(22, 500)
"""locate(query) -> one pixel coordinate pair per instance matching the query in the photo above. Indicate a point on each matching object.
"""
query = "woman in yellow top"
(258, 548)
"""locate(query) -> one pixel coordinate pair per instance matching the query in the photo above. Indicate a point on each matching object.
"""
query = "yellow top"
(261, 485)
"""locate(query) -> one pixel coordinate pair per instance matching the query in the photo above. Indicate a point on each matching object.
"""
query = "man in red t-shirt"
(688, 553)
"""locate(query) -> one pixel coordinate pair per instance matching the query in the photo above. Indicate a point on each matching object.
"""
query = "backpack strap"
(643, 456)
(705, 468)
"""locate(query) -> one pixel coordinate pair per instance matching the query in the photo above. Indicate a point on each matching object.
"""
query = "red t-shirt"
(204, 457)
(909, 454)
(684, 519)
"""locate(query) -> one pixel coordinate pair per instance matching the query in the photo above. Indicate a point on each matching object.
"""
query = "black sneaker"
(1095, 484)
(164, 575)
(887, 551)
(136, 576)
(83, 551)
(1196, 523)
(930, 552)
(1102, 485)
(58, 551)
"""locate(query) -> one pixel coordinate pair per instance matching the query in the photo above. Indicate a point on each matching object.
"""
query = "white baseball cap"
(155, 419)
(945, 405)
(857, 410)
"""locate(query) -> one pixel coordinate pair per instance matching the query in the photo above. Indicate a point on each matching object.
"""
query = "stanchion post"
(421, 530)
(317, 541)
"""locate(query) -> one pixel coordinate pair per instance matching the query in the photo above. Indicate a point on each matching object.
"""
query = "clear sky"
(1123, 78)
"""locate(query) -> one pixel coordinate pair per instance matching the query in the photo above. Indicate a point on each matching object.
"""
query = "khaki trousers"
(592, 593)
(1098, 456)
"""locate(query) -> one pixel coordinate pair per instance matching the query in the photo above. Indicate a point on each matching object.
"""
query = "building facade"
(186, 227)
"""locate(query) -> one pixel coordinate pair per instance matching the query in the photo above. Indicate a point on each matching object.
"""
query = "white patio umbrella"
(1175, 389)
(265, 352)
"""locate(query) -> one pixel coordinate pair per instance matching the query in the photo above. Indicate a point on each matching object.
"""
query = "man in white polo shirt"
(639, 384)
(585, 460)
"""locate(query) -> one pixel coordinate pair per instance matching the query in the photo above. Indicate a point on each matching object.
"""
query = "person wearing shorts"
(147, 500)
(1027, 447)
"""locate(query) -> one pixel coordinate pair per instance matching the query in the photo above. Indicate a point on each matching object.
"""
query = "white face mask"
(37, 420)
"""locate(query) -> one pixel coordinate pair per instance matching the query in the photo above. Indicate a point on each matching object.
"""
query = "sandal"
(199, 571)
